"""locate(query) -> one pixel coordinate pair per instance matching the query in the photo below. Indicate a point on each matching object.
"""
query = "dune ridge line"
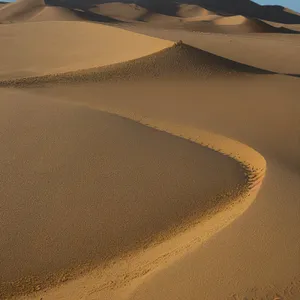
(124, 274)
(188, 60)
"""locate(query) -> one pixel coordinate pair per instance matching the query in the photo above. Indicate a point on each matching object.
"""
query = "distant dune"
(120, 11)
(244, 25)
(21, 10)
(194, 16)
(55, 14)
(224, 7)
(189, 10)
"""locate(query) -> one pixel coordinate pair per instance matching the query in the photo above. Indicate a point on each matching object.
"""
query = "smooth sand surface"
(139, 167)
(49, 13)
(20, 11)
(189, 10)
(67, 46)
(257, 256)
(120, 11)
(253, 50)
(91, 186)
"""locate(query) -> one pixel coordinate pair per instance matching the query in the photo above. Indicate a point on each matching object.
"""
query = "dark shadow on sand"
(247, 8)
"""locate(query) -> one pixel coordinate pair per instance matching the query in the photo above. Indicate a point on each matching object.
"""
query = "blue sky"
(293, 4)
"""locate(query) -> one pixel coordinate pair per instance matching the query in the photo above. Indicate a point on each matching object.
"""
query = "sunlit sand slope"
(56, 47)
(80, 187)
(178, 60)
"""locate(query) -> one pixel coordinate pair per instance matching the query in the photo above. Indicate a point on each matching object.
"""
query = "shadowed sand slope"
(49, 13)
(190, 10)
(91, 186)
(180, 8)
(78, 45)
(244, 25)
(120, 11)
(21, 10)
(178, 61)
(211, 24)
(257, 256)
(168, 14)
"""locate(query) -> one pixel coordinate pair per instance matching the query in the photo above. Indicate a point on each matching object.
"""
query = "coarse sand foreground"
(255, 237)
(133, 168)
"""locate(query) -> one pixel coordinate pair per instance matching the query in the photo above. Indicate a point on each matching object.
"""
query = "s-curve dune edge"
(135, 168)
(254, 237)
(93, 186)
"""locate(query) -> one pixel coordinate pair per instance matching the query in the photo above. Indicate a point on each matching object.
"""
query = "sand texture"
(149, 150)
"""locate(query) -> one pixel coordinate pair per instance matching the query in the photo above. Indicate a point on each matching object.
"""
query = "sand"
(20, 11)
(143, 160)
(78, 45)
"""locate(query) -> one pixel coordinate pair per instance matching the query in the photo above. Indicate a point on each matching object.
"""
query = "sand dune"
(243, 24)
(55, 14)
(78, 45)
(138, 168)
(189, 11)
(153, 17)
(21, 10)
(168, 14)
(246, 8)
(251, 49)
(100, 158)
(120, 11)
(179, 60)
(293, 27)
(256, 238)
(236, 20)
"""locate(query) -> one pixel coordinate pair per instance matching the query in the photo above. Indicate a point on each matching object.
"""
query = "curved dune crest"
(78, 45)
(189, 10)
(49, 13)
(120, 11)
(178, 61)
(123, 275)
(235, 20)
(86, 154)
(243, 24)
(21, 10)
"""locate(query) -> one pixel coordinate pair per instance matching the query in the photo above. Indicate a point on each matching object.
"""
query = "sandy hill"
(49, 13)
(241, 24)
(177, 61)
(21, 10)
(246, 17)
(120, 11)
(78, 45)
(175, 8)
(39, 10)
(87, 190)
(190, 10)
